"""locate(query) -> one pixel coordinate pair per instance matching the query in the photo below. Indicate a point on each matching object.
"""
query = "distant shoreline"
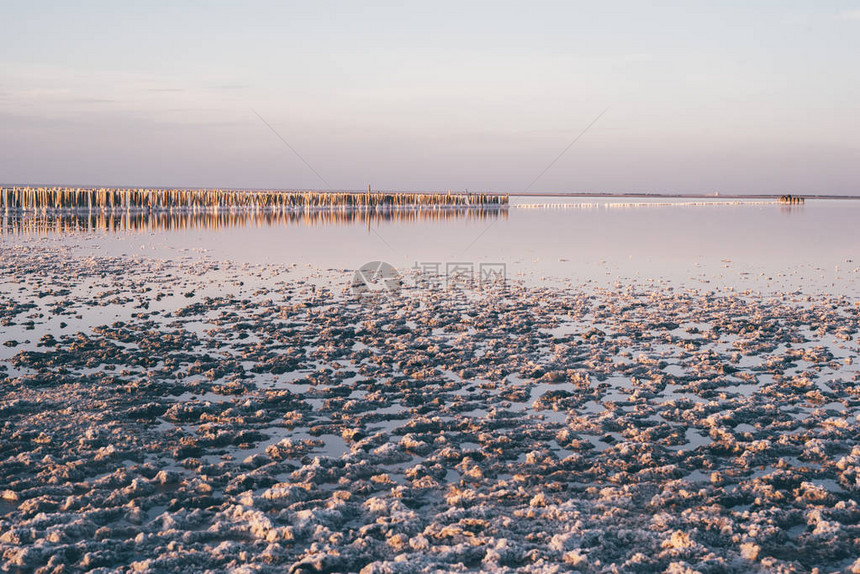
(681, 196)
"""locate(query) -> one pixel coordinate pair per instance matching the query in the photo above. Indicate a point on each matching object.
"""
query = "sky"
(695, 96)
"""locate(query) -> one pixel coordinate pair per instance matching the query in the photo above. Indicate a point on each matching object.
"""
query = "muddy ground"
(191, 415)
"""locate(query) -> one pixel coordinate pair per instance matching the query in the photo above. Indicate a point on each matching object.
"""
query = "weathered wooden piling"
(127, 199)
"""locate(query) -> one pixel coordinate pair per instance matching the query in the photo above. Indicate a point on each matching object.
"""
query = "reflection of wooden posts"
(40, 221)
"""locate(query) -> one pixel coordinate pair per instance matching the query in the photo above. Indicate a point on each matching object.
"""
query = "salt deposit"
(193, 415)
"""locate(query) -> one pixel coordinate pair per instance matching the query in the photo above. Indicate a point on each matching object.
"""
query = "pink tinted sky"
(734, 97)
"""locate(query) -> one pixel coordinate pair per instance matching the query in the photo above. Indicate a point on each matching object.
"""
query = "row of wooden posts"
(67, 198)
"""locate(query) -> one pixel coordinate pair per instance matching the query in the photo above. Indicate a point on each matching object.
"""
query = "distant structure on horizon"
(790, 199)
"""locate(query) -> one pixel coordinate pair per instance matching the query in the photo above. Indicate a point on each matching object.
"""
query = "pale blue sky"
(736, 97)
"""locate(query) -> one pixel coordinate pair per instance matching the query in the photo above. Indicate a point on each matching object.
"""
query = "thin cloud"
(850, 15)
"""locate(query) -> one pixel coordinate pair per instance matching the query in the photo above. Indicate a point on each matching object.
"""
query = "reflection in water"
(789, 209)
(119, 221)
(630, 204)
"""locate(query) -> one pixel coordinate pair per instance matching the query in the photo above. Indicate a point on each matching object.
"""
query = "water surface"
(710, 244)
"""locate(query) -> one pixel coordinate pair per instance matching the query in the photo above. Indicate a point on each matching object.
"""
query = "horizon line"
(601, 194)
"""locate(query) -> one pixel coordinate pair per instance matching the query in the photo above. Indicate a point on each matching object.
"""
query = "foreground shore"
(192, 415)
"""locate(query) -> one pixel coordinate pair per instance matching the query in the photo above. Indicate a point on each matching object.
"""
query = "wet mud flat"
(193, 414)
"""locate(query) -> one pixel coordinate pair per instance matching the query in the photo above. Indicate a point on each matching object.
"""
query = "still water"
(716, 244)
